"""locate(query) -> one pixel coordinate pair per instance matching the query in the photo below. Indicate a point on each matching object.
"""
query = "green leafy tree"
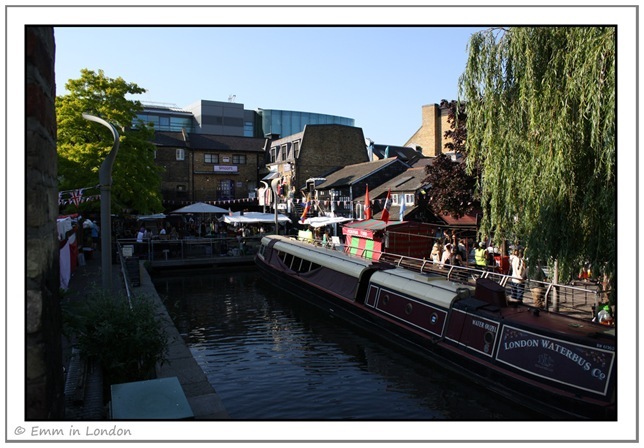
(541, 125)
(83, 145)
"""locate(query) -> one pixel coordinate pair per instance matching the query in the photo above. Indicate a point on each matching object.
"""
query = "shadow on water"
(271, 357)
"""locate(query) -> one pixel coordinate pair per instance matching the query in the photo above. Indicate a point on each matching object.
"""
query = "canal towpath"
(83, 386)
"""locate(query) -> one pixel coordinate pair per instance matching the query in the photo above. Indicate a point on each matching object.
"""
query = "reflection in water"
(272, 358)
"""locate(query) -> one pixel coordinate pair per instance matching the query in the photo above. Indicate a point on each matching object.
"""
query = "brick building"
(314, 152)
(431, 134)
(201, 167)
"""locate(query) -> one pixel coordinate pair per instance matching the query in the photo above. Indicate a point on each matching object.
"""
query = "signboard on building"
(226, 169)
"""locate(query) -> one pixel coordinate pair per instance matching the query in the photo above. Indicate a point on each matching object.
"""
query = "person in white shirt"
(140, 235)
(519, 274)
(447, 255)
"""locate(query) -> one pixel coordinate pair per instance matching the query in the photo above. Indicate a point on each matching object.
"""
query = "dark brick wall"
(328, 147)
(176, 184)
(44, 371)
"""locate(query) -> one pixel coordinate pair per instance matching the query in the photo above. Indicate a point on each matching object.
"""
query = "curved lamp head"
(105, 171)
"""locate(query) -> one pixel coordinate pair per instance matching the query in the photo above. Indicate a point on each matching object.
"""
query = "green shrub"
(127, 342)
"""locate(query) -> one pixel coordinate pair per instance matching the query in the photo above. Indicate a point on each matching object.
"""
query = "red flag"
(385, 210)
(307, 206)
(367, 205)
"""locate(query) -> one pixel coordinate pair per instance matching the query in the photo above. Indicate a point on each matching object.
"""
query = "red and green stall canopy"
(364, 238)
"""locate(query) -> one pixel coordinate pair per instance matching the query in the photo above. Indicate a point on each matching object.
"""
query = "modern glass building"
(227, 118)
(288, 122)
(167, 118)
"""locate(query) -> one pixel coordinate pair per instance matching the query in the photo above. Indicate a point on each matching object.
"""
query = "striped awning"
(363, 247)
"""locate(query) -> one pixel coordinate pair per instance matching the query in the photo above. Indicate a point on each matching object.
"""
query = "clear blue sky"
(379, 76)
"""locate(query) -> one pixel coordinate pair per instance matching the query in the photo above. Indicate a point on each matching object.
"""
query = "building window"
(409, 199)
(394, 199)
(296, 149)
(249, 129)
(239, 159)
(284, 152)
(182, 191)
(211, 158)
(273, 152)
(181, 154)
(226, 189)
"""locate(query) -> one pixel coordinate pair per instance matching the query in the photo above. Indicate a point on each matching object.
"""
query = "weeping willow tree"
(541, 127)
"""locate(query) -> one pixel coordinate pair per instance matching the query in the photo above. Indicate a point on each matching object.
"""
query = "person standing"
(456, 258)
(480, 256)
(437, 250)
(95, 234)
(446, 258)
(519, 274)
(140, 235)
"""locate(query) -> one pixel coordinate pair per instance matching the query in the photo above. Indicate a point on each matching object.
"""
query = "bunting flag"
(367, 205)
(385, 210)
(76, 196)
(402, 208)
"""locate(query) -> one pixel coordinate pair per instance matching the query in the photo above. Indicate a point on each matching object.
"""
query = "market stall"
(370, 237)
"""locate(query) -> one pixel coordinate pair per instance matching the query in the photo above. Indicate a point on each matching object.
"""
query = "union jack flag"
(76, 196)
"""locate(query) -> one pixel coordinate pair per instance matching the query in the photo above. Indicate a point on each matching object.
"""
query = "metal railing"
(187, 249)
(552, 297)
(126, 277)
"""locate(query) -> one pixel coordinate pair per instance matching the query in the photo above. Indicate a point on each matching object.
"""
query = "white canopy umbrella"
(201, 207)
(154, 217)
(321, 221)
(255, 218)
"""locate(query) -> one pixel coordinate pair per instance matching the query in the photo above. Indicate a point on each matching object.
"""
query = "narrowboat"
(560, 366)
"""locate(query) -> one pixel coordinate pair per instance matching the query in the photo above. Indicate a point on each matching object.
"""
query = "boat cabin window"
(296, 263)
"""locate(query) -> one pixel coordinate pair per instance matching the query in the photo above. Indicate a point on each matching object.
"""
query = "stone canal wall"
(202, 397)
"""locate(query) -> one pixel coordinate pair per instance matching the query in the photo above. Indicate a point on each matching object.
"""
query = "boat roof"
(330, 258)
(429, 288)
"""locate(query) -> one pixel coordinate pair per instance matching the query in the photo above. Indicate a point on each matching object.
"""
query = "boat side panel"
(474, 332)
(438, 292)
(411, 311)
(338, 283)
(372, 295)
(579, 366)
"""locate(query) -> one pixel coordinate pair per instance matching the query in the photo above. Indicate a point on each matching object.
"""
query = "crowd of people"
(449, 250)
(167, 230)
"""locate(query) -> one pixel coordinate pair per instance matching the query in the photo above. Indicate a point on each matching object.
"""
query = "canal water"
(270, 357)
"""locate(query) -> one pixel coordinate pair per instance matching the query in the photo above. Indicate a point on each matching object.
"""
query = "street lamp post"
(105, 181)
(264, 198)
